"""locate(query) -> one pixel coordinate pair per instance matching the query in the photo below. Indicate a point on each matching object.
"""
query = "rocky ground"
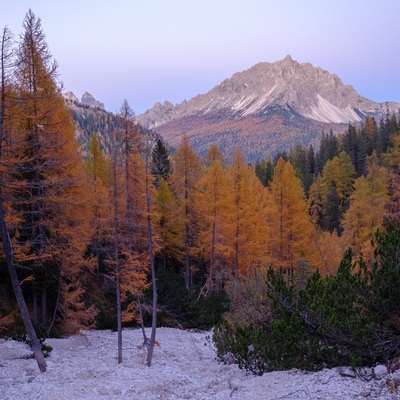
(184, 367)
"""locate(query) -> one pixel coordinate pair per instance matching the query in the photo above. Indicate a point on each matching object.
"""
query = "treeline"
(326, 188)
(348, 313)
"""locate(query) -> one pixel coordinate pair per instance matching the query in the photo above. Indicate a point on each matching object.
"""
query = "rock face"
(88, 100)
(69, 96)
(311, 92)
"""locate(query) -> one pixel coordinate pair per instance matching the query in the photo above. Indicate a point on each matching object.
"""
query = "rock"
(69, 96)
(347, 371)
(88, 100)
(234, 384)
(229, 358)
(366, 373)
(380, 371)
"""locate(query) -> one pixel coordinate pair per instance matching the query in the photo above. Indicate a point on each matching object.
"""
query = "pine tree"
(264, 170)
(337, 185)
(160, 163)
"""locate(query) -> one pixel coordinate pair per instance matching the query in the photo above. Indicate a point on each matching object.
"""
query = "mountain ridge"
(311, 91)
(265, 109)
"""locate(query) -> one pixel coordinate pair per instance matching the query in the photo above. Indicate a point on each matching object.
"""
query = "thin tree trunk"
(5, 238)
(34, 301)
(212, 256)
(117, 268)
(53, 319)
(153, 271)
(44, 307)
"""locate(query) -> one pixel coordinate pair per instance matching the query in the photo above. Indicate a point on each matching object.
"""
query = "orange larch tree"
(184, 179)
(246, 207)
(291, 227)
(211, 200)
(49, 187)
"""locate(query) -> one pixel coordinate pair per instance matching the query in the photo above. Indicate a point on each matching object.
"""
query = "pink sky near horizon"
(157, 50)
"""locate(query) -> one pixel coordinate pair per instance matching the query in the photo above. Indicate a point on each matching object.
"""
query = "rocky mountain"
(87, 100)
(264, 109)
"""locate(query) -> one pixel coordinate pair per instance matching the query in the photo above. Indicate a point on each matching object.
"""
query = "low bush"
(351, 318)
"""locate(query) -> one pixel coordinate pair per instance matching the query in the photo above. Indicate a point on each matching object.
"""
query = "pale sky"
(155, 50)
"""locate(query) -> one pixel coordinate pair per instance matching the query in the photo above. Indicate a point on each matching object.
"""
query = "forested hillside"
(124, 233)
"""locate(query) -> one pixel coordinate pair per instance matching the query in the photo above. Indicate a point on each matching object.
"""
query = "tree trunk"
(44, 307)
(35, 344)
(153, 271)
(116, 261)
(35, 311)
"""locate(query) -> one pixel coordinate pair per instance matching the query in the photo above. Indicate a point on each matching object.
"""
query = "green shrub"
(41, 334)
(351, 318)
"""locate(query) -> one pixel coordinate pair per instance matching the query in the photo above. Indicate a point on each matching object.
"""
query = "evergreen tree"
(160, 163)
(328, 149)
(338, 176)
(264, 170)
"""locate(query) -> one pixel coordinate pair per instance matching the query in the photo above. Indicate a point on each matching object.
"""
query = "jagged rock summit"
(70, 97)
(309, 91)
(87, 100)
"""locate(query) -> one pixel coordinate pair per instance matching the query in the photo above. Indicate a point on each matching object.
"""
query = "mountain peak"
(288, 60)
(311, 92)
(88, 100)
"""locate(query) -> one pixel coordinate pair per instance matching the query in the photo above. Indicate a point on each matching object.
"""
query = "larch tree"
(168, 226)
(6, 69)
(49, 187)
(186, 172)
(246, 208)
(211, 203)
(97, 173)
(151, 217)
(367, 207)
(290, 224)
(127, 257)
(392, 158)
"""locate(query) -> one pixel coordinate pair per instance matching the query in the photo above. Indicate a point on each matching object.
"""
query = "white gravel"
(184, 367)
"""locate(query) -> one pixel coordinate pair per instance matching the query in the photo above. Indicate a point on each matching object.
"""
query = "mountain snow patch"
(327, 112)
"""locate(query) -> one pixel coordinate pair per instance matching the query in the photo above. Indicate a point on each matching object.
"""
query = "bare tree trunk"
(153, 269)
(116, 266)
(5, 238)
(34, 301)
(44, 307)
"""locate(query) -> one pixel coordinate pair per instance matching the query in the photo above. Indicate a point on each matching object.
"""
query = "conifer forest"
(293, 260)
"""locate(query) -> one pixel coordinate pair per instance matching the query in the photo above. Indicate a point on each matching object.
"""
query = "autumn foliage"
(86, 225)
